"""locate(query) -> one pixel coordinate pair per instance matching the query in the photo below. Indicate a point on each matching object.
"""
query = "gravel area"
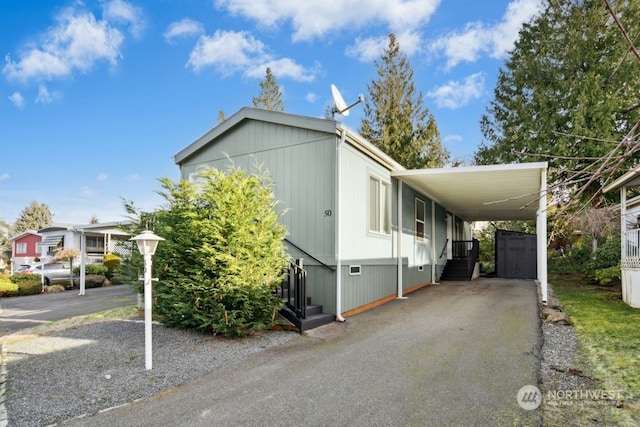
(89, 368)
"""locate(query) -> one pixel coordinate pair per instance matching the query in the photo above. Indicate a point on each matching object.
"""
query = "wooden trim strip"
(381, 301)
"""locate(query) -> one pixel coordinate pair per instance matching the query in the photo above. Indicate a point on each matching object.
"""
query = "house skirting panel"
(365, 283)
(321, 287)
(631, 286)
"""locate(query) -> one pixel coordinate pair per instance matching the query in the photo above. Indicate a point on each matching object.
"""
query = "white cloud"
(17, 99)
(75, 43)
(227, 51)
(5, 176)
(134, 177)
(122, 11)
(283, 67)
(311, 97)
(453, 138)
(184, 28)
(44, 96)
(86, 191)
(231, 51)
(318, 18)
(456, 94)
(478, 38)
(102, 176)
(370, 49)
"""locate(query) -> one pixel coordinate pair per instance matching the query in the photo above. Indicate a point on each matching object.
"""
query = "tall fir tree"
(33, 217)
(567, 94)
(270, 97)
(395, 119)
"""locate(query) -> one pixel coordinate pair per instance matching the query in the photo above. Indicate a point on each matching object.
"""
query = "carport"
(513, 192)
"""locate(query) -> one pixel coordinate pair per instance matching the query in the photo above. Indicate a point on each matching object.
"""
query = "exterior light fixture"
(147, 243)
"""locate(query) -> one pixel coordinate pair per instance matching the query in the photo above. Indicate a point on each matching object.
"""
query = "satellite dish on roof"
(340, 106)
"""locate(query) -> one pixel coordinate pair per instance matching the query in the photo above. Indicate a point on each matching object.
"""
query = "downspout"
(343, 137)
(399, 240)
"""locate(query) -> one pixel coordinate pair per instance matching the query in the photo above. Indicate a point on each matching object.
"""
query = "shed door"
(516, 255)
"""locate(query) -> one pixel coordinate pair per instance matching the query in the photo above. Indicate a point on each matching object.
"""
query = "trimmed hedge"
(92, 269)
(19, 278)
(8, 289)
(91, 281)
(30, 287)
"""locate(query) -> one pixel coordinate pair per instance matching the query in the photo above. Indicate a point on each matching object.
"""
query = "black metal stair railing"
(466, 252)
(294, 289)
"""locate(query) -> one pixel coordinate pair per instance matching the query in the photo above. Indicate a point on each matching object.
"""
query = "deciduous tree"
(68, 255)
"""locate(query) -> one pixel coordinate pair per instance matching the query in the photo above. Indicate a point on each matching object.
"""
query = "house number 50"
(327, 212)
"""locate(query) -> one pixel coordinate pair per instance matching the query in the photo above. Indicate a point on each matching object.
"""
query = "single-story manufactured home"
(630, 235)
(368, 229)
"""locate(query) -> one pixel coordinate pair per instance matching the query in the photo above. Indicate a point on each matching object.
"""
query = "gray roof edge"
(468, 169)
(248, 113)
(624, 179)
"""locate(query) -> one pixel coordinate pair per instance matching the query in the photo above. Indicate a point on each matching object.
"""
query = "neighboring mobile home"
(25, 248)
(346, 202)
(630, 236)
(94, 240)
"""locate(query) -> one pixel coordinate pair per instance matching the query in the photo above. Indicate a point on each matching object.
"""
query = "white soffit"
(482, 193)
(629, 179)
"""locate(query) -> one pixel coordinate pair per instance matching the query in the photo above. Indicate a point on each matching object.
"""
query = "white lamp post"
(147, 244)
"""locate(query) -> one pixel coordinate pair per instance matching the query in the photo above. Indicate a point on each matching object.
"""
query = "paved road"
(452, 354)
(18, 313)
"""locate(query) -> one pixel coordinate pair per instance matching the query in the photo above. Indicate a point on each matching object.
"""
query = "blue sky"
(97, 96)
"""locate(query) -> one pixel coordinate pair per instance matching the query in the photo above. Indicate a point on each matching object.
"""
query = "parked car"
(23, 268)
(53, 271)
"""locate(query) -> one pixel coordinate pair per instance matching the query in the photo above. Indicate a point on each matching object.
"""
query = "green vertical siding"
(301, 164)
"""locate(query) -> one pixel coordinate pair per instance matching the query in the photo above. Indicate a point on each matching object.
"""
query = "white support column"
(434, 260)
(623, 220)
(399, 240)
(541, 230)
(83, 256)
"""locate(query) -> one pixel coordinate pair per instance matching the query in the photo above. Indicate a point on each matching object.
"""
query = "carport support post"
(541, 230)
(83, 253)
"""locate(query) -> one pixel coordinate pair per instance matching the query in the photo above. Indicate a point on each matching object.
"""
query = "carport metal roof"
(483, 193)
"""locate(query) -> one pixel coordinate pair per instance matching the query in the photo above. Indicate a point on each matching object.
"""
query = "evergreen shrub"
(30, 287)
(8, 288)
(223, 256)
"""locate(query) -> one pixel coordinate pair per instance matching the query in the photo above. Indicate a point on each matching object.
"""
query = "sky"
(97, 96)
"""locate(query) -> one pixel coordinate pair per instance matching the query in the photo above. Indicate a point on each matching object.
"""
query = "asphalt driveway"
(18, 313)
(451, 354)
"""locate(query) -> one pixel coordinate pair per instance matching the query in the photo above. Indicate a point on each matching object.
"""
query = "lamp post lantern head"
(147, 242)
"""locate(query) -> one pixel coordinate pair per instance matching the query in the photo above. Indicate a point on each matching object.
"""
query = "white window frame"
(420, 237)
(379, 205)
(21, 248)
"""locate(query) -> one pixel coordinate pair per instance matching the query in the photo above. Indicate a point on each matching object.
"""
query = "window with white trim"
(21, 248)
(379, 205)
(420, 215)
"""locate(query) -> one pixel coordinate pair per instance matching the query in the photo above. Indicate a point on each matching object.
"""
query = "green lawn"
(608, 332)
